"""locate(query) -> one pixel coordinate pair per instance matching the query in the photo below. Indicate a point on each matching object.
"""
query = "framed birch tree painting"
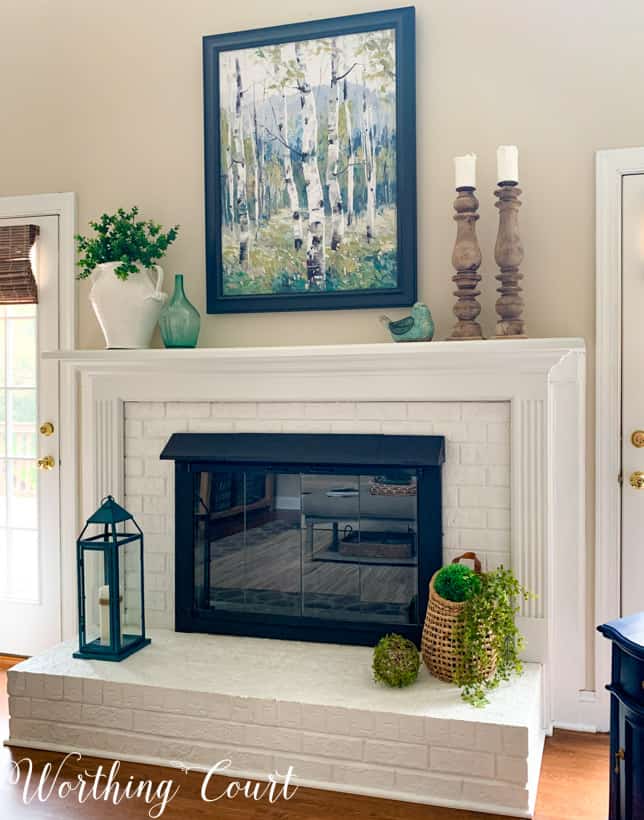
(310, 165)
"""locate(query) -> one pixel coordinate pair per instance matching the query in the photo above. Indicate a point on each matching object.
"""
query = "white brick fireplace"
(512, 413)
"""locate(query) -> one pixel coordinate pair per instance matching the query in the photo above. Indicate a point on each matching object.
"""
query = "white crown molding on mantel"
(543, 379)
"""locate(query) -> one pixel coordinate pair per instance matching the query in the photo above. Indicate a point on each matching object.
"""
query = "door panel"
(29, 497)
(632, 392)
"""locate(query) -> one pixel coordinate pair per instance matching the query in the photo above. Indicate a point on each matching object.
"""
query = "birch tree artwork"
(308, 166)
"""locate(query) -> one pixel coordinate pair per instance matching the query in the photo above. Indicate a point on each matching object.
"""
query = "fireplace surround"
(329, 538)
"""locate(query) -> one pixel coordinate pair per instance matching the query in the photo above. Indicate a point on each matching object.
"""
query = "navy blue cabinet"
(626, 717)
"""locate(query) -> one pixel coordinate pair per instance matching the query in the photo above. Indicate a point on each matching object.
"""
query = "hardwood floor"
(574, 786)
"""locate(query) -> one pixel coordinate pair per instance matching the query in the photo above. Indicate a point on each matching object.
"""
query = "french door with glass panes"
(30, 618)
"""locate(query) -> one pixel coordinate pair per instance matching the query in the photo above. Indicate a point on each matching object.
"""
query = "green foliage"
(396, 661)
(457, 582)
(488, 620)
(276, 267)
(122, 238)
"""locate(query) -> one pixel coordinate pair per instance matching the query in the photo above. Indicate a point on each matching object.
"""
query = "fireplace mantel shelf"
(472, 354)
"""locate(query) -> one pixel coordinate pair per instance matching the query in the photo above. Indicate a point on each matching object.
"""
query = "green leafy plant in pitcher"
(179, 321)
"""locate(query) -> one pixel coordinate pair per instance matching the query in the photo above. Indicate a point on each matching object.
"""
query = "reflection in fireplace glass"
(337, 547)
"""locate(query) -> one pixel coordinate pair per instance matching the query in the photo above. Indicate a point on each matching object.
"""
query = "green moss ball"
(457, 582)
(395, 661)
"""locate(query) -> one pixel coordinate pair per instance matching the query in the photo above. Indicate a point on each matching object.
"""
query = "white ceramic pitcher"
(127, 311)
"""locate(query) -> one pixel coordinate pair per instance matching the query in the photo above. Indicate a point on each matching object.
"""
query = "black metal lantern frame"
(102, 563)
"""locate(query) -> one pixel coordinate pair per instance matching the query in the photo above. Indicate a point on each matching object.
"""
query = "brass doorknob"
(637, 480)
(619, 755)
(47, 429)
(46, 463)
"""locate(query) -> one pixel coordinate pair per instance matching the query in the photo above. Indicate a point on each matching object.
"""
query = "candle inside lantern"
(465, 171)
(104, 613)
(507, 163)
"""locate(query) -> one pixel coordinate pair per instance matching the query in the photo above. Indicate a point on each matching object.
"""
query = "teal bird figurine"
(419, 327)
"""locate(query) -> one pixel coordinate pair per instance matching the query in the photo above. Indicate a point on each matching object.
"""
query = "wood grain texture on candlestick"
(508, 253)
(466, 259)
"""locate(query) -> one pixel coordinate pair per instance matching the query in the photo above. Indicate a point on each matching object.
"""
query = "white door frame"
(63, 206)
(611, 166)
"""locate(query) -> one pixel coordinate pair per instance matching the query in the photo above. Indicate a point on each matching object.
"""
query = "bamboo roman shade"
(17, 281)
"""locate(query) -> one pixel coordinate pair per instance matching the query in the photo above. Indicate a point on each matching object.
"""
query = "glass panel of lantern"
(111, 607)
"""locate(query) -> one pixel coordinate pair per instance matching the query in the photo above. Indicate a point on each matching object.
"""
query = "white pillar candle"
(104, 613)
(465, 171)
(507, 163)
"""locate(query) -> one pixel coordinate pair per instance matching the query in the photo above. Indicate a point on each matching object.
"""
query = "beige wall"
(105, 99)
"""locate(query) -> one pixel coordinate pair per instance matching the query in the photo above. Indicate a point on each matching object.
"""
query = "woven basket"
(440, 645)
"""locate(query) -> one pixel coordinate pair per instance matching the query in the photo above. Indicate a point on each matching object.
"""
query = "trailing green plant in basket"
(395, 661)
(457, 582)
(487, 623)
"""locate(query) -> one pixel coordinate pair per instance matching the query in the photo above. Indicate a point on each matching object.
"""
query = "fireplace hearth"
(329, 538)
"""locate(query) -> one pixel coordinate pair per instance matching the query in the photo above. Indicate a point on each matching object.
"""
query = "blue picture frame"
(360, 266)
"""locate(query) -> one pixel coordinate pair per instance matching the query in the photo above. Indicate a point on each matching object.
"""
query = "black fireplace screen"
(327, 552)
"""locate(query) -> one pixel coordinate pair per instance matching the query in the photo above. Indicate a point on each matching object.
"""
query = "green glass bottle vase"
(179, 320)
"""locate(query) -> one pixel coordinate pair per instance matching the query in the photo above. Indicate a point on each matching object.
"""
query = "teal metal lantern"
(111, 607)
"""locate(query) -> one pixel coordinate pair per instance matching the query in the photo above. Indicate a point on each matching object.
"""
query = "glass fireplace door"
(314, 546)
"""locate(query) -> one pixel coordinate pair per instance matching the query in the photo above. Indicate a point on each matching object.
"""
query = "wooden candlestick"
(508, 253)
(466, 259)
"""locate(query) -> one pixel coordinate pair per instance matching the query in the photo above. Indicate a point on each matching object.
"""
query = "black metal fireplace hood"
(326, 449)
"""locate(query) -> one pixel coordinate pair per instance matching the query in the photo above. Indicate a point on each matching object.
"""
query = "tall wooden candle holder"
(508, 253)
(466, 259)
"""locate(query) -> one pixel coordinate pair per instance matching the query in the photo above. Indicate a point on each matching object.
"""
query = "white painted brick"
(484, 497)
(462, 734)
(64, 711)
(108, 717)
(387, 726)
(457, 475)
(155, 468)
(143, 446)
(122, 695)
(160, 543)
(450, 496)
(352, 722)
(465, 518)
(27, 729)
(133, 428)
(429, 786)
(435, 410)
(306, 426)
(488, 737)
(304, 768)
(16, 682)
(360, 428)
(498, 519)
(253, 710)
(211, 426)
(437, 731)
(381, 410)
(164, 428)
(280, 410)
(486, 411)
(92, 691)
(499, 476)
(515, 740)
(170, 725)
(314, 717)
(133, 466)
(412, 729)
(156, 601)
(409, 755)
(407, 428)
(289, 714)
(155, 563)
(35, 685)
(233, 410)
(73, 688)
(452, 453)
(330, 410)
(274, 738)
(53, 687)
(498, 433)
(187, 409)
(155, 504)
(512, 769)
(462, 761)
(134, 503)
(374, 777)
(454, 431)
(259, 426)
(485, 454)
(495, 559)
(154, 524)
(499, 794)
(19, 707)
(144, 410)
(334, 746)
